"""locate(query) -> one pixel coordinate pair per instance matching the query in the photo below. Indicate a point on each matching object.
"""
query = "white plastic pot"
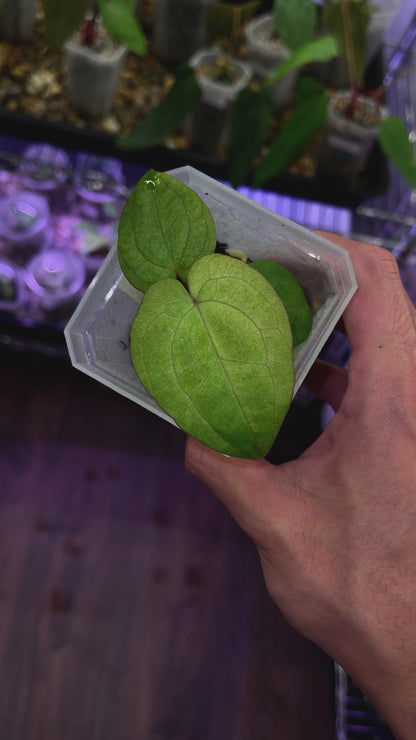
(92, 78)
(208, 126)
(346, 143)
(267, 56)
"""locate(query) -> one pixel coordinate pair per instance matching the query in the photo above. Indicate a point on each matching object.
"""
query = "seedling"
(212, 341)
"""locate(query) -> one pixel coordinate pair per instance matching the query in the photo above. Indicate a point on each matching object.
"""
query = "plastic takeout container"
(97, 334)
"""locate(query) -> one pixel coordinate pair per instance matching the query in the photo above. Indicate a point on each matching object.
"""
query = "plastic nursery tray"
(97, 334)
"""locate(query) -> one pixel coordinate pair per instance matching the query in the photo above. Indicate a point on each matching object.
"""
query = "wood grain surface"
(131, 605)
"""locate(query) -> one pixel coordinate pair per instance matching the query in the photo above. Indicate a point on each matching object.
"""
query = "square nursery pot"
(207, 127)
(266, 54)
(179, 28)
(347, 143)
(17, 19)
(92, 77)
(98, 333)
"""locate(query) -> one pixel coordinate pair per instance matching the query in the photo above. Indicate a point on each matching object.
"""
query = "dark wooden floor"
(131, 605)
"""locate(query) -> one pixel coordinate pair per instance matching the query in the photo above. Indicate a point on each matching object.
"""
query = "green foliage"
(394, 141)
(63, 18)
(319, 50)
(250, 122)
(219, 358)
(348, 21)
(214, 349)
(291, 295)
(295, 21)
(164, 228)
(307, 119)
(168, 116)
(120, 21)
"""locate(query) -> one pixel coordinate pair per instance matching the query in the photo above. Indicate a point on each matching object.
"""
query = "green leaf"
(320, 50)
(218, 359)
(394, 141)
(249, 126)
(359, 17)
(307, 119)
(122, 23)
(291, 295)
(62, 19)
(164, 228)
(295, 21)
(168, 116)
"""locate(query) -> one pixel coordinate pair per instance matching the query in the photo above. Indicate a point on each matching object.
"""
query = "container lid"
(23, 216)
(56, 273)
(44, 166)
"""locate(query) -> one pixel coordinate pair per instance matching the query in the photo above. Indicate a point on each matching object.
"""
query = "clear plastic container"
(91, 78)
(267, 55)
(24, 221)
(208, 125)
(56, 278)
(45, 169)
(97, 334)
(98, 179)
(346, 143)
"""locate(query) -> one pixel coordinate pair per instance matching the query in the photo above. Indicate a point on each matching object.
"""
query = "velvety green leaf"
(394, 141)
(291, 295)
(295, 21)
(359, 17)
(164, 228)
(222, 20)
(169, 114)
(62, 19)
(307, 119)
(218, 359)
(250, 121)
(320, 50)
(121, 23)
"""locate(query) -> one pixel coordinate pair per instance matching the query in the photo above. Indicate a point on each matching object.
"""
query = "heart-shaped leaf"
(291, 295)
(217, 359)
(164, 228)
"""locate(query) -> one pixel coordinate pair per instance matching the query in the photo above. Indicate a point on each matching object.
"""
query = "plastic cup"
(97, 334)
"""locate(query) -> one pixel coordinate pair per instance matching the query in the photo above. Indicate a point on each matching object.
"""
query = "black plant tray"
(374, 180)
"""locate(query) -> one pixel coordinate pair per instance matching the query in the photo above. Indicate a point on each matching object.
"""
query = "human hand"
(336, 528)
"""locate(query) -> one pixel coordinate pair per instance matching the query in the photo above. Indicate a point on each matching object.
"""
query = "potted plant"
(220, 74)
(96, 37)
(229, 378)
(266, 53)
(354, 114)
(220, 78)
(17, 19)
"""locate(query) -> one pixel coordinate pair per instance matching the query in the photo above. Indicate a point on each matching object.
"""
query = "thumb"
(244, 486)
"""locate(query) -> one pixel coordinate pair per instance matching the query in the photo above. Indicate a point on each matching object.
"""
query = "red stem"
(88, 29)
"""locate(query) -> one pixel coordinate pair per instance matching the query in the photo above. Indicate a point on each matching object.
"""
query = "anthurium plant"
(118, 17)
(252, 111)
(213, 336)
